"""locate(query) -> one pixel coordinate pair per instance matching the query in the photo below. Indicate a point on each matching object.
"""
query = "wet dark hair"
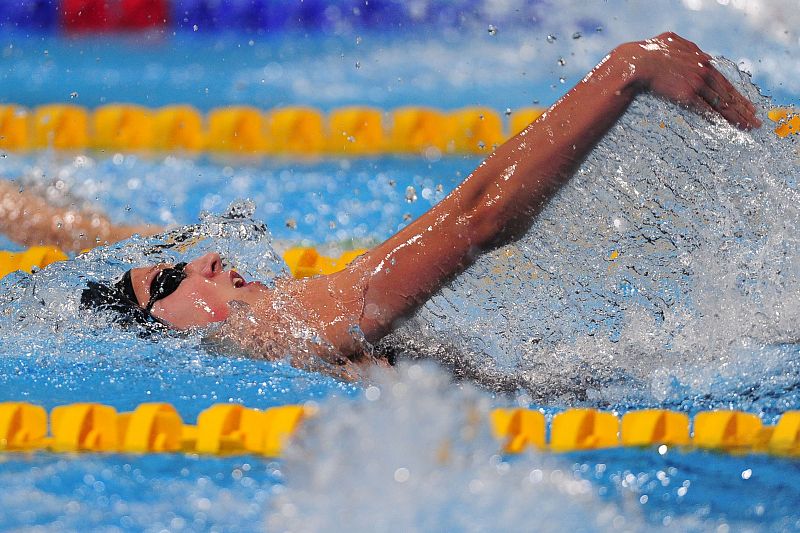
(119, 298)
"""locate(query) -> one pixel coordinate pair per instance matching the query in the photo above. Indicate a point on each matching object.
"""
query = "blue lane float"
(269, 15)
(244, 15)
(29, 14)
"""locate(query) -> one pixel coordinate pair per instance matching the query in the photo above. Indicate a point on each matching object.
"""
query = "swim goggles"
(165, 283)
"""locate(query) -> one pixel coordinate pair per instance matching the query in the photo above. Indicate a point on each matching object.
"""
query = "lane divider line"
(303, 261)
(283, 131)
(299, 131)
(226, 429)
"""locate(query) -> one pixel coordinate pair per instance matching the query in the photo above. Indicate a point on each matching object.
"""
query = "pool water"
(697, 312)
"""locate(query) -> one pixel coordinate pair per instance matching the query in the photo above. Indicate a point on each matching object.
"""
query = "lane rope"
(287, 131)
(225, 429)
(303, 261)
(293, 131)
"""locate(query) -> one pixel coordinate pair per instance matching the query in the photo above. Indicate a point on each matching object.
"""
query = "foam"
(416, 456)
(44, 309)
(668, 262)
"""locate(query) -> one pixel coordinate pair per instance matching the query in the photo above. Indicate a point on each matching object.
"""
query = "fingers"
(720, 93)
(700, 105)
(728, 98)
(734, 99)
(732, 113)
(692, 80)
(695, 92)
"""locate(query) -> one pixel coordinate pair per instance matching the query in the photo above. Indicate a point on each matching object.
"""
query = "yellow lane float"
(122, 127)
(236, 129)
(296, 130)
(178, 128)
(14, 128)
(476, 130)
(33, 257)
(225, 429)
(303, 262)
(356, 131)
(60, 126)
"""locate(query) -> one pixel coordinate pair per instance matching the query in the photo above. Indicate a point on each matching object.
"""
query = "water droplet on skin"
(551, 38)
(577, 35)
(492, 30)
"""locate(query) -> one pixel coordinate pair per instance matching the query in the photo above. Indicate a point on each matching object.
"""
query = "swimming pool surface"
(697, 313)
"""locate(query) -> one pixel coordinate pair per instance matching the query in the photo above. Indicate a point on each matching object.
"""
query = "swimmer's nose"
(206, 265)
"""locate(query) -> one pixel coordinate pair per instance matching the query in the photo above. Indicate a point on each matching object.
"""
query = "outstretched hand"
(675, 68)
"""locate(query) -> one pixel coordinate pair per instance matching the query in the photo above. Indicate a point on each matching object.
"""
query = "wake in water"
(41, 312)
(665, 269)
(418, 454)
(670, 261)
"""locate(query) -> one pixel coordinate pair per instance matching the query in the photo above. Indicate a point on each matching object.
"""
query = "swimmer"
(338, 317)
(28, 219)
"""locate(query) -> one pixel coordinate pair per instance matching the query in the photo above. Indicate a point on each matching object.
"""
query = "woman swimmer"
(362, 303)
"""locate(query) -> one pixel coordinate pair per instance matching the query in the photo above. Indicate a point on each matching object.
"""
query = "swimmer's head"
(180, 296)
(118, 298)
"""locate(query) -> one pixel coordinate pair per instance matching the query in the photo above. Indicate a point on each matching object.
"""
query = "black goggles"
(165, 283)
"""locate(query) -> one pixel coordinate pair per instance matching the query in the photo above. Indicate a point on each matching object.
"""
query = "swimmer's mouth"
(238, 280)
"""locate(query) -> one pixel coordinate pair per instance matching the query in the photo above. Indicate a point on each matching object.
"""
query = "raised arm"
(510, 187)
(28, 219)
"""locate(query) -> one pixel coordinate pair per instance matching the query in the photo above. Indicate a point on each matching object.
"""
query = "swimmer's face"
(201, 298)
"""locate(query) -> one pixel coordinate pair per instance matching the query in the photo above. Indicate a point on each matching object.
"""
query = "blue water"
(307, 201)
(447, 67)
(347, 466)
